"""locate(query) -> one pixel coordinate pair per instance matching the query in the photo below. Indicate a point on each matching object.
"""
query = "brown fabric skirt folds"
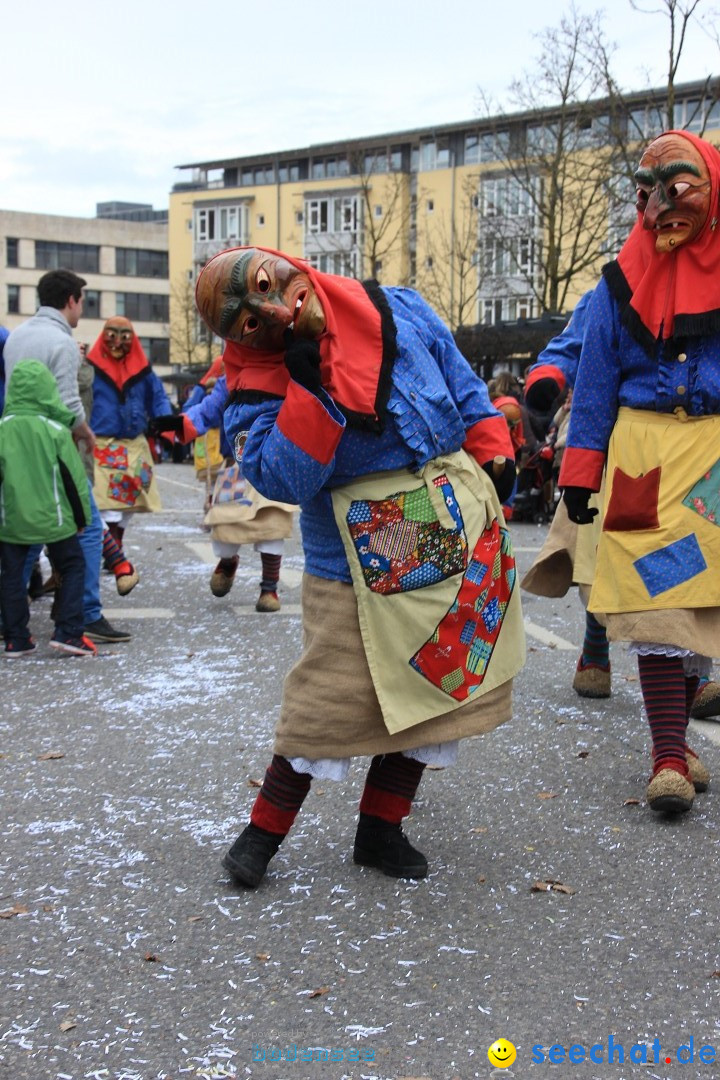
(330, 708)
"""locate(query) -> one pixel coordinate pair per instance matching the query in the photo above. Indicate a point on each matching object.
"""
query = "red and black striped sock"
(280, 797)
(113, 553)
(595, 648)
(662, 679)
(270, 572)
(390, 786)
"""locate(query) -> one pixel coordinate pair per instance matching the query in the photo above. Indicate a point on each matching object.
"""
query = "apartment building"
(124, 261)
(441, 209)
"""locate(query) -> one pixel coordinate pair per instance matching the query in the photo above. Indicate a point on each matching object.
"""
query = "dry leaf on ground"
(52, 755)
(319, 992)
(551, 886)
(18, 909)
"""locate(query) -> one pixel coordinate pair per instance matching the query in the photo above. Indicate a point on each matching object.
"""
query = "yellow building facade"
(441, 210)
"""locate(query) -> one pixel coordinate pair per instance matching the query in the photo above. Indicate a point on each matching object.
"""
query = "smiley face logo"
(501, 1054)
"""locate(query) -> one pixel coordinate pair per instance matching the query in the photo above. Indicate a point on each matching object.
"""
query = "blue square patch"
(671, 565)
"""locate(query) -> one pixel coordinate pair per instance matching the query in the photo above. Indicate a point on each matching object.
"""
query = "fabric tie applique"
(456, 657)
(400, 542)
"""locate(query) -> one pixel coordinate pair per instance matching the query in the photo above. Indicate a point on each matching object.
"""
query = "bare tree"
(573, 168)
(191, 343)
(451, 275)
(387, 211)
(546, 215)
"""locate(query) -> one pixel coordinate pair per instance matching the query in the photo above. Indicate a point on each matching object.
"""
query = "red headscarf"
(356, 348)
(674, 293)
(119, 372)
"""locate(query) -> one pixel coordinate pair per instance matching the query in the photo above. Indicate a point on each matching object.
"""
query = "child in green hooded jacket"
(43, 500)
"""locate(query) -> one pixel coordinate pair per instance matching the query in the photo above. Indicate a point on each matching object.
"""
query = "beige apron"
(435, 582)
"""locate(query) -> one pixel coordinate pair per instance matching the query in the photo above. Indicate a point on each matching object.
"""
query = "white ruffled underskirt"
(438, 755)
(693, 663)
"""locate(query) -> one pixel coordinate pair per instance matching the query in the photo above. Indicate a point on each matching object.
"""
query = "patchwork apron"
(435, 582)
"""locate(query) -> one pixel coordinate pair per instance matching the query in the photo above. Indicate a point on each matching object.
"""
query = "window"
(429, 263)
(54, 255)
(157, 350)
(335, 214)
(11, 250)
(246, 178)
(264, 174)
(136, 262)
(13, 299)
(298, 217)
(430, 206)
(288, 172)
(472, 149)
(396, 159)
(91, 304)
(260, 220)
(375, 163)
(345, 264)
(377, 211)
(318, 170)
(221, 223)
(428, 156)
(145, 307)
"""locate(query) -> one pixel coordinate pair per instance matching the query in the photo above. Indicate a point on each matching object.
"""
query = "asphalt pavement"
(560, 914)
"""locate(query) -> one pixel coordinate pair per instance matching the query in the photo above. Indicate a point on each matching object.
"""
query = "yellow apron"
(125, 475)
(660, 544)
(435, 582)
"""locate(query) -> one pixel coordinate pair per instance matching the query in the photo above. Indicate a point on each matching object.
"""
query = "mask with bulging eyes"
(118, 337)
(252, 297)
(673, 191)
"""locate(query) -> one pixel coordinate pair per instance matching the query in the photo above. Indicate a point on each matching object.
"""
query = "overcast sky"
(101, 101)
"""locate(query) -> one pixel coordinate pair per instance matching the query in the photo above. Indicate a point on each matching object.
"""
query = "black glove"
(171, 422)
(302, 359)
(576, 501)
(504, 482)
(540, 396)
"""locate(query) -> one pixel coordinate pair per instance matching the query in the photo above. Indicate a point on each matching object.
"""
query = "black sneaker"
(383, 845)
(14, 649)
(101, 630)
(248, 858)
(79, 646)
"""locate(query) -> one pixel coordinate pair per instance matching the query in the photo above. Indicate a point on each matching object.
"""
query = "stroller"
(535, 495)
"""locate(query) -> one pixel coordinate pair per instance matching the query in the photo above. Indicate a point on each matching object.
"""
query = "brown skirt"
(330, 708)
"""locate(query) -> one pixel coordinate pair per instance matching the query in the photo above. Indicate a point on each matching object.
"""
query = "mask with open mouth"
(673, 191)
(252, 297)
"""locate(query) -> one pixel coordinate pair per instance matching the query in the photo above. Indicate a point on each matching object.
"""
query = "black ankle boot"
(248, 858)
(384, 845)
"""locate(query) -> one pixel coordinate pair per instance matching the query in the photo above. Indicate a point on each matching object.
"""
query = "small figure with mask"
(127, 394)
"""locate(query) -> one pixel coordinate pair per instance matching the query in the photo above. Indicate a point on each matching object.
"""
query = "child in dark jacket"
(43, 500)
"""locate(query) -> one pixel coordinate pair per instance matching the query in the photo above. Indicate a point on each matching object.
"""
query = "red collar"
(119, 372)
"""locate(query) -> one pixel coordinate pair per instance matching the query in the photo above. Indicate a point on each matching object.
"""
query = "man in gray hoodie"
(47, 337)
